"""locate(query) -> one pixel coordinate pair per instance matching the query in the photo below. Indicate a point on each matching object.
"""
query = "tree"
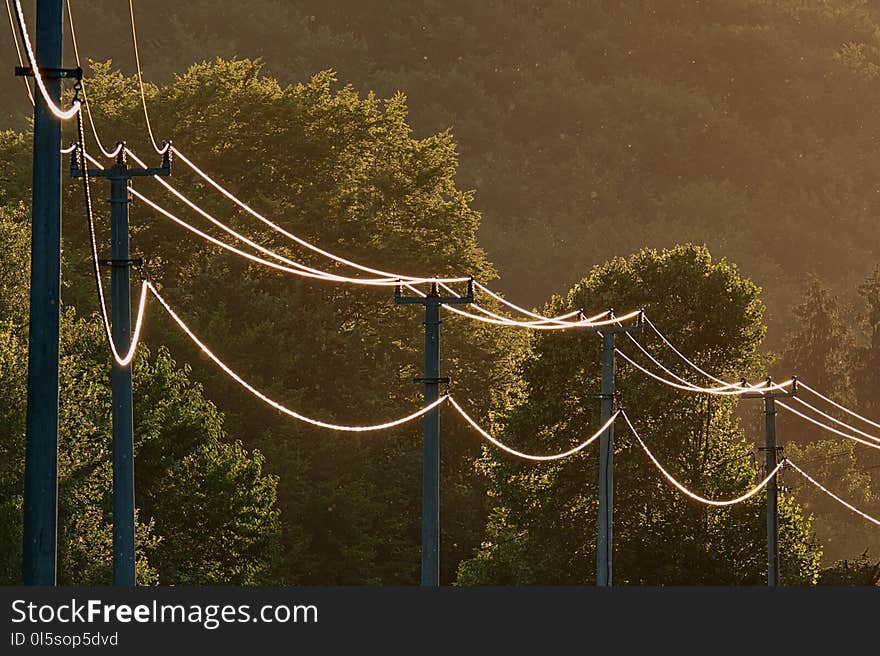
(206, 511)
(858, 571)
(543, 527)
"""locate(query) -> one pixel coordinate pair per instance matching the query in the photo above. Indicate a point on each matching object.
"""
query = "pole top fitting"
(166, 154)
(121, 157)
(434, 291)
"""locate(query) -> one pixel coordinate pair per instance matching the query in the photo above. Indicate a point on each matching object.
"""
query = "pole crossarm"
(434, 298)
(51, 72)
(121, 169)
(773, 394)
(612, 329)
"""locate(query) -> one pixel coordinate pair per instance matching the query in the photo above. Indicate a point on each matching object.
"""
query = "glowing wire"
(835, 420)
(827, 427)
(18, 50)
(291, 413)
(244, 254)
(314, 273)
(831, 494)
(105, 320)
(62, 114)
(107, 153)
(519, 454)
(562, 320)
(137, 59)
(692, 495)
(300, 240)
(837, 405)
(524, 311)
(729, 389)
(69, 149)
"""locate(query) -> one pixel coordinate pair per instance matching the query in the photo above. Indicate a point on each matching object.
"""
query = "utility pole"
(605, 541)
(41, 445)
(120, 264)
(771, 453)
(431, 458)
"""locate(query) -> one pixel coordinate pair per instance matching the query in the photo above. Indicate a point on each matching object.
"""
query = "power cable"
(63, 114)
(122, 361)
(278, 406)
(693, 495)
(18, 50)
(519, 454)
(137, 59)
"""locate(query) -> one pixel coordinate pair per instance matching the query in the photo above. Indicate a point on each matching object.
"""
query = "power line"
(839, 406)
(278, 406)
(829, 428)
(837, 421)
(63, 114)
(122, 361)
(18, 50)
(137, 59)
(687, 492)
(107, 153)
(526, 456)
(831, 494)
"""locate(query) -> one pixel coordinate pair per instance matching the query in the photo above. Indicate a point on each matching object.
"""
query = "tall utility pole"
(771, 461)
(605, 541)
(120, 264)
(41, 446)
(431, 458)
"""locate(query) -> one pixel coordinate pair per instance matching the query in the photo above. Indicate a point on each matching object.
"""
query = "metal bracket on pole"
(50, 73)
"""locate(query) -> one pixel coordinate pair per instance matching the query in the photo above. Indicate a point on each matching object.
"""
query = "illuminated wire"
(682, 355)
(70, 148)
(299, 269)
(536, 325)
(18, 50)
(528, 313)
(300, 240)
(827, 427)
(291, 413)
(122, 361)
(137, 59)
(831, 494)
(249, 256)
(107, 153)
(562, 320)
(837, 405)
(835, 420)
(729, 389)
(692, 495)
(62, 114)
(526, 456)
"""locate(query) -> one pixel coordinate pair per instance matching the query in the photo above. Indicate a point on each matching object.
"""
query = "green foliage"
(206, 511)
(544, 525)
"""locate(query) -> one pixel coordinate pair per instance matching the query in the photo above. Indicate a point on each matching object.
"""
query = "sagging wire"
(62, 114)
(122, 361)
(18, 50)
(526, 456)
(831, 494)
(275, 404)
(687, 492)
(137, 59)
(109, 154)
(297, 266)
(835, 420)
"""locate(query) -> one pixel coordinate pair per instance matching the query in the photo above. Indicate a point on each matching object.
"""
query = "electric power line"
(687, 492)
(18, 50)
(63, 114)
